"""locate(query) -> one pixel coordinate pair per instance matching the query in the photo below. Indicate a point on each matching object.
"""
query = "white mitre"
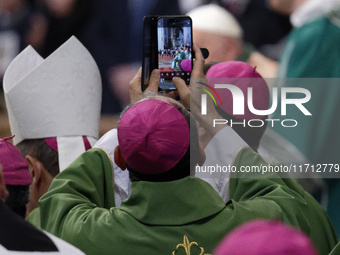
(216, 20)
(59, 96)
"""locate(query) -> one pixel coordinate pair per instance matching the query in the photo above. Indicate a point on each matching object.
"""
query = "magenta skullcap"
(153, 136)
(186, 65)
(243, 76)
(265, 237)
(15, 168)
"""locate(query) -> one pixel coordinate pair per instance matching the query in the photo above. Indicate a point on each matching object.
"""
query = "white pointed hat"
(59, 96)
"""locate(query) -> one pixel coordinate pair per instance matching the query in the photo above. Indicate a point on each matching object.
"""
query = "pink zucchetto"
(15, 168)
(186, 65)
(243, 76)
(265, 237)
(153, 136)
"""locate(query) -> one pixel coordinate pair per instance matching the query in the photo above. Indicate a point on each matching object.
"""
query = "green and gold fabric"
(186, 216)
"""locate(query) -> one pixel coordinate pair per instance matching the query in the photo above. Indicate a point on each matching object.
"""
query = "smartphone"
(150, 55)
(167, 47)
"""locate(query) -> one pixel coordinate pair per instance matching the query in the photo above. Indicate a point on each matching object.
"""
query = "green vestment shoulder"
(161, 218)
(312, 51)
(34, 217)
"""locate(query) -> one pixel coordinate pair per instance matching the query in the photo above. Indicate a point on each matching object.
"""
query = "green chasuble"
(34, 217)
(313, 51)
(164, 218)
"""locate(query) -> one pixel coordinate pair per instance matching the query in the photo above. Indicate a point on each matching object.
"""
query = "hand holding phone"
(135, 91)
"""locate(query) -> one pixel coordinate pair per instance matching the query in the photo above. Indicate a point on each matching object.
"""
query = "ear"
(36, 169)
(3, 190)
(41, 180)
(119, 160)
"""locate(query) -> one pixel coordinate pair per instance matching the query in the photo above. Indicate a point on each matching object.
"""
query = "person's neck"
(30, 207)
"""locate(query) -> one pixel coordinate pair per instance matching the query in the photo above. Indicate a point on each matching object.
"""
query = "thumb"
(154, 81)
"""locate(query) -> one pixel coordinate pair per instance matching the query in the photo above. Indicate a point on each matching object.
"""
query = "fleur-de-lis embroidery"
(186, 245)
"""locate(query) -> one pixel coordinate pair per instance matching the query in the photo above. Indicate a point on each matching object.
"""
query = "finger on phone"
(135, 89)
(137, 79)
(154, 81)
(198, 64)
(183, 91)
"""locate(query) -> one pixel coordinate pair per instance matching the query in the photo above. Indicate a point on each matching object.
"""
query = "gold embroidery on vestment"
(186, 245)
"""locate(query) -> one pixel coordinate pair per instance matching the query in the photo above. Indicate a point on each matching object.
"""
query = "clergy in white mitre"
(54, 107)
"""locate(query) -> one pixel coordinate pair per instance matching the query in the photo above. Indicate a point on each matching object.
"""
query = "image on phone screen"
(174, 43)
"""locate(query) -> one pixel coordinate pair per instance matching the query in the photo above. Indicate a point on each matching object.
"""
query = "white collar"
(311, 10)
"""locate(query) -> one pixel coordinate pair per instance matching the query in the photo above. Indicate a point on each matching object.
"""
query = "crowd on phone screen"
(64, 188)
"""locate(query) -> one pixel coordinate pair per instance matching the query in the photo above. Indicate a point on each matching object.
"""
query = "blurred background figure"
(118, 29)
(16, 176)
(217, 30)
(220, 32)
(63, 18)
(312, 51)
(20, 25)
(264, 237)
(15, 16)
(111, 30)
(262, 27)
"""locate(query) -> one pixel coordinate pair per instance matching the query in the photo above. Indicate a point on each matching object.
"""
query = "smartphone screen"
(174, 43)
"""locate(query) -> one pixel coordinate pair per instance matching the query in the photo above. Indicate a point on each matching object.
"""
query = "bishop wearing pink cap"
(16, 176)
(168, 211)
(223, 147)
(17, 235)
(15, 168)
(263, 237)
(161, 142)
(243, 76)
